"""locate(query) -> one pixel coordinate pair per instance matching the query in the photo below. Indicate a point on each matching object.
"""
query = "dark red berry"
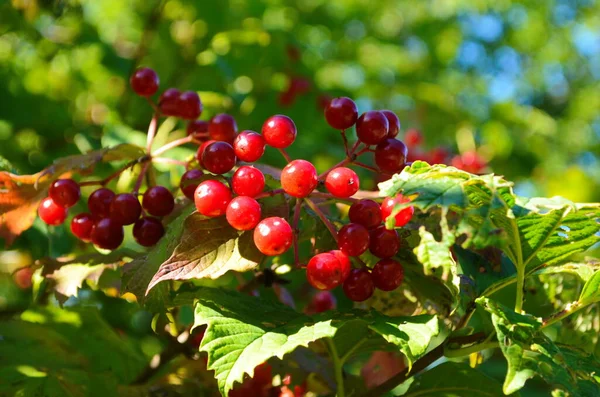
(243, 213)
(413, 137)
(365, 212)
(322, 301)
(64, 192)
(144, 82)
(273, 236)
(125, 208)
(190, 105)
(211, 198)
(147, 231)
(190, 181)
(51, 213)
(384, 243)
(390, 155)
(341, 113)
(353, 239)
(218, 157)
(197, 128)
(201, 149)
(169, 102)
(393, 123)
(279, 131)
(99, 202)
(158, 201)
(299, 178)
(223, 127)
(248, 181)
(402, 217)
(372, 127)
(359, 285)
(324, 271)
(263, 374)
(387, 274)
(342, 182)
(249, 146)
(345, 263)
(107, 234)
(81, 226)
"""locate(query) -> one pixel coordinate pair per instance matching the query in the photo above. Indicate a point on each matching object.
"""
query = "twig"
(323, 218)
(270, 193)
(173, 144)
(151, 132)
(367, 167)
(169, 161)
(285, 155)
(140, 178)
(115, 174)
(295, 221)
(345, 139)
(330, 196)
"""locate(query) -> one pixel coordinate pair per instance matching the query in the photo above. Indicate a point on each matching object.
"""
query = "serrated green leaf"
(69, 278)
(591, 290)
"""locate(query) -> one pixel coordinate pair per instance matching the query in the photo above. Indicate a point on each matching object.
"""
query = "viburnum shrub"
(439, 267)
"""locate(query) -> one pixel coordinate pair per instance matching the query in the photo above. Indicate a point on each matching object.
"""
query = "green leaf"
(591, 290)
(69, 278)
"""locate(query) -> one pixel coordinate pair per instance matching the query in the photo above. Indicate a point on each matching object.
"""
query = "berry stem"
(354, 147)
(140, 178)
(296, 231)
(151, 132)
(115, 174)
(323, 218)
(153, 105)
(169, 161)
(332, 197)
(270, 193)
(173, 144)
(345, 139)
(285, 155)
(365, 166)
(340, 164)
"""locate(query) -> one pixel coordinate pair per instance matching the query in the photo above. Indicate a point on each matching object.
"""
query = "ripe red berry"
(402, 217)
(322, 301)
(384, 243)
(201, 149)
(342, 182)
(125, 208)
(243, 213)
(107, 234)
(413, 137)
(190, 181)
(147, 231)
(64, 192)
(249, 146)
(190, 105)
(387, 274)
(345, 263)
(390, 155)
(279, 131)
(439, 155)
(324, 271)
(197, 128)
(372, 127)
(248, 181)
(81, 226)
(144, 82)
(470, 162)
(99, 202)
(273, 236)
(359, 285)
(51, 213)
(353, 239)
(211, 198)
(158, 201)
(393, 123)
(365, 212)
(222, 127)
(169, 102)
(299, 178)
(218, 157)
(341, 113)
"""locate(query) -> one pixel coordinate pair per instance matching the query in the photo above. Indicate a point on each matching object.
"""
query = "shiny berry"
(222, 127)
(248, 181)
(197, 128)
(201, 149)
(169, 102)
(353, 239)
(384, 243)
(125, 208)
(158, 201)
(342, 182)
(81, 226)
(190, 181)
(387, 274)
(273, 236)
(372, 127)
(249, 146)
(341, 113)
(322, 301)
(359, 285)
(279, 131)
(64, 192)
(243, 213)
(393, 123)
(365, 212)
(51, 213)
(107, 234)
(345, 263)
(147, 231)
(324, 271)
(99, 202)
(390, 155)
(190, 105)
(144, 82)
(299, 178)
(218, 157)
(413, 137)
(402, 217)
(211, 198)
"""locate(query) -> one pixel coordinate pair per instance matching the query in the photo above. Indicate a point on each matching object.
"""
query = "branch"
(323, 218)
(173, 144)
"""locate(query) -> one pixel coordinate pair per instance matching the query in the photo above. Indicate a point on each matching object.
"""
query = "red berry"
(299, 178)
(211, 198)
(201, 149)
(263, 374)
(413, 137)
(125, 208)
(322, 302)
(169, 102)
(341, 113)
(249, 146)
(22, 277)
(393, 123)
(387, 274)
(158, 201)
(342, 182)
(324, 271)
(223, 127)
(197, 128)
(190, 181)
(51, 213)
(353, 239)
(190, 105)
(64, 192)
(81, 226)
(402, 217)
(279, 131)
(469, 162)
(384, 243)
(144, 82)
(243, 213)
(147, 231)
(372, 127)
(439, 155)
(365, 212)
(248, 181)
(344, 262)
(99, 202)
(273, 236)
(359, 285)
(218, 157)
(107, 234)
(390, 155)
